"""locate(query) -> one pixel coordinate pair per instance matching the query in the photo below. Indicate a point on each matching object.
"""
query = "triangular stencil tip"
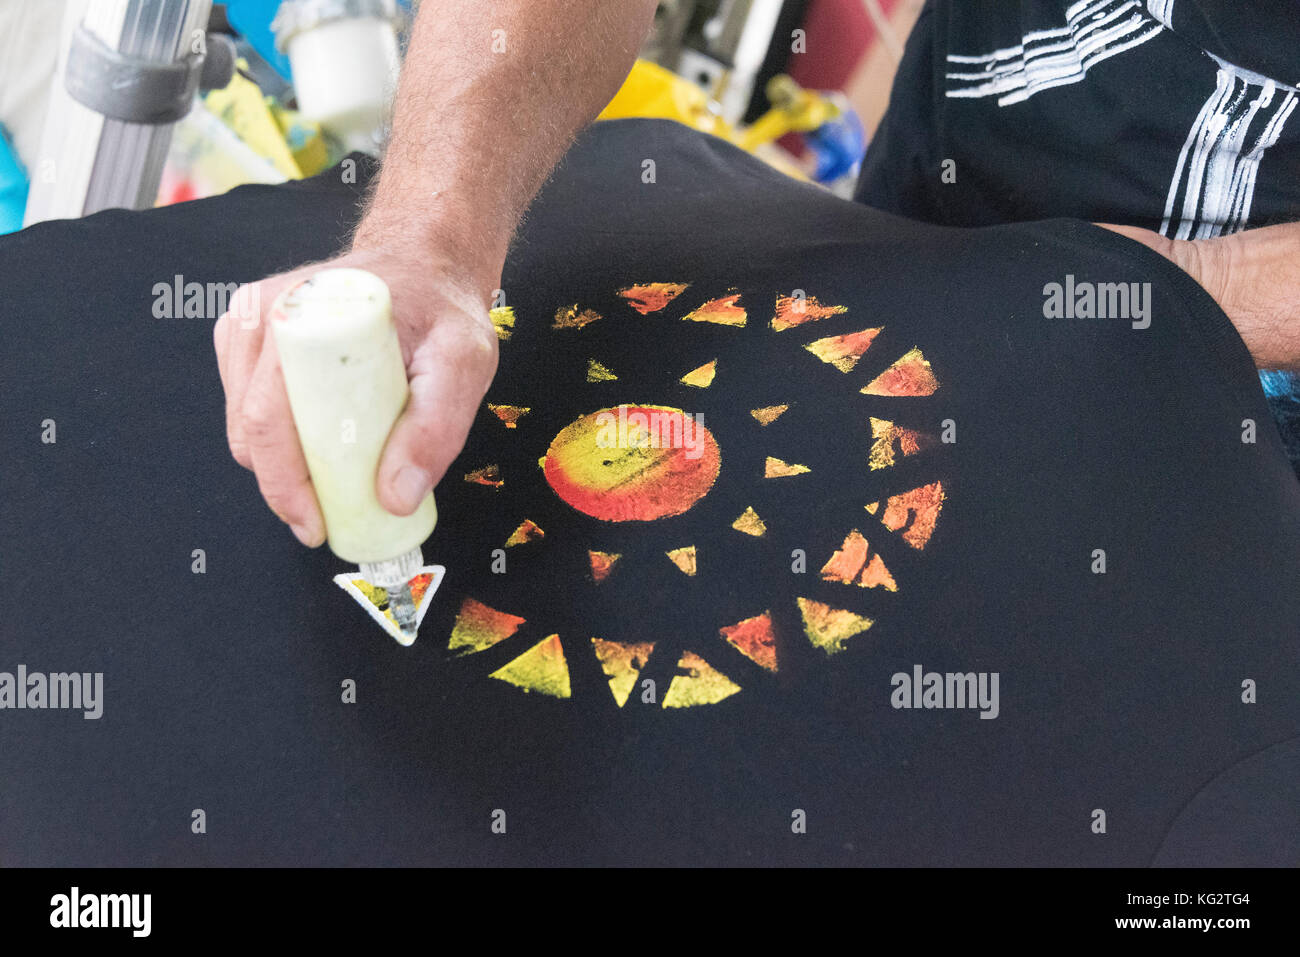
(371, 597)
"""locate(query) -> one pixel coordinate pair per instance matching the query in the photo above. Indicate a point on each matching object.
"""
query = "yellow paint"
(828, 628)
(478, 627)
(541, 668)
(750, 523)
(886, 436)
(683, 558)
(572, 318)
(598, 373)
(723, 311)
(909, 375)
(509, 414)
(775, 468)
(489, 475)
(503, 321)
(702, 377)
(526, 532)
(703, 684)
(769, 414)
(843, 352)
(622, 664)
(792, 311)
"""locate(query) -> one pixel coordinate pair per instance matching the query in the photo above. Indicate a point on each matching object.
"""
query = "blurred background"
(137, 103)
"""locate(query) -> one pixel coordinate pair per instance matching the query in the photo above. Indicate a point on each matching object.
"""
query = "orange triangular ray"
(909, 375)
(722, 311)
(794, 311)
(754, 639)
(843, 352)
(918, 510)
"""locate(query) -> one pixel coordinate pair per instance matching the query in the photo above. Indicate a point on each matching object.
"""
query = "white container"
(346, 380)
(345, 61)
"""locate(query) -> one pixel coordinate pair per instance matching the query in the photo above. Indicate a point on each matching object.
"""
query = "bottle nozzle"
(394, 577)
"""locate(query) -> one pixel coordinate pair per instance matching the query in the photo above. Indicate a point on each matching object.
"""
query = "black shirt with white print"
(1175, 115)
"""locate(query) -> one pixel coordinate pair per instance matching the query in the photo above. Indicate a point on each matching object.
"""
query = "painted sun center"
(633, 463)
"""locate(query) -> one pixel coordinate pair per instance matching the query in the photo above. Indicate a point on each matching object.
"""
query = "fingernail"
(410, 486)
(305, 534)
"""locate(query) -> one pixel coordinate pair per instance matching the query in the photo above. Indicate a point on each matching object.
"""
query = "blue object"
(837, 145)
(13, 187)
(252, 18)
(1282, 389)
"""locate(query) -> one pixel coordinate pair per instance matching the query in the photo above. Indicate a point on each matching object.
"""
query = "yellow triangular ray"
(598, 373)
(683, 558)
(526, 532)
(541, 668)
(871, 509)
(723, 311)
(828, 628)
(621, 664)
(503, 321)
(887, 436)
(775, 468)
(702, 377)
(703, 685)
(509, 414)
(769, 414)
(573, 318)
(750, 523)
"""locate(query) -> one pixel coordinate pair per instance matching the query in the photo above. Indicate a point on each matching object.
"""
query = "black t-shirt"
(905, 466)
(1174, 115)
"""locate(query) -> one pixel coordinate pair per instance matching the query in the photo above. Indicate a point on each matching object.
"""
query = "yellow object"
(242, 107)
(305, 140)
(652, 91)
(794, 109)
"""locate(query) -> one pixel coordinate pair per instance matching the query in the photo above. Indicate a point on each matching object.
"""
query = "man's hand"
(1254, 276)
(491, 95)
(450, 350)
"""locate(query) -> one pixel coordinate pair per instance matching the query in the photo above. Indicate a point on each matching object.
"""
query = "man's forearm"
(490, 97)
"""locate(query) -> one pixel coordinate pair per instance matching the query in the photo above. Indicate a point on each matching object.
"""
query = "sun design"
(633, 463)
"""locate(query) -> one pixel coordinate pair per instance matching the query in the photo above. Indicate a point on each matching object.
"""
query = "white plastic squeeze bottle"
(347, 385)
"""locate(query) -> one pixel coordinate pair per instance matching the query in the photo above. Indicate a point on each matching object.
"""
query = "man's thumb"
(425, 440)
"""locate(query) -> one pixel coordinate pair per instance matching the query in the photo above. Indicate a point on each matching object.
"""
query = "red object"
(838, 34)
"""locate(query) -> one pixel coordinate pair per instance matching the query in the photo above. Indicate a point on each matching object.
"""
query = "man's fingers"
(450, 373)
(239, 335)
(272, 443)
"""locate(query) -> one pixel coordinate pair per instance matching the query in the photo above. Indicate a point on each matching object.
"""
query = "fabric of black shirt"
(1120, 692)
